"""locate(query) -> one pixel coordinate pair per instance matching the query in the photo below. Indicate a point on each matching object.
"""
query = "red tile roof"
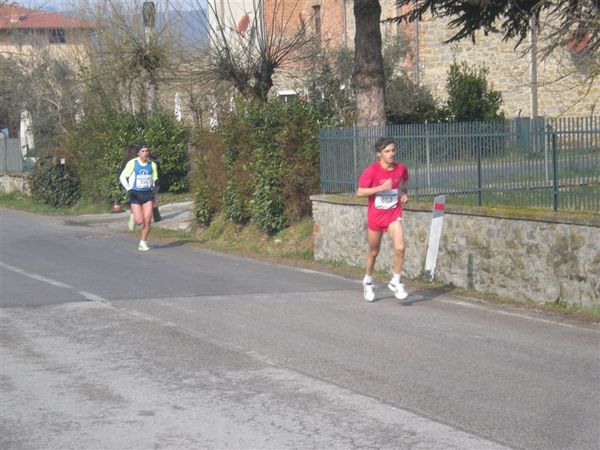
(13, 16)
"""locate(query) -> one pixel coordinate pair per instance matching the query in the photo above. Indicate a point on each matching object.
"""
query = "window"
(57, 36)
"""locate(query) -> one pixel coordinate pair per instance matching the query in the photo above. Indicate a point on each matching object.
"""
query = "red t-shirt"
(384, 207)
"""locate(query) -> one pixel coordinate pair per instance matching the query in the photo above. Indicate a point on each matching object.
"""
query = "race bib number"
(143, 181)
(386, 199)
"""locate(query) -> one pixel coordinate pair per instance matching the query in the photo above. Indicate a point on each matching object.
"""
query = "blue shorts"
(140, 197)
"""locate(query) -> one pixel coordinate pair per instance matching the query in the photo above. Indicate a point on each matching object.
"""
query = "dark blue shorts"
(140, 197)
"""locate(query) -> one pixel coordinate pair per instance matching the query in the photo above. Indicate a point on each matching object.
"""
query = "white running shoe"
(368, 292)
(398, 290)
(143, 247)
(131, 223)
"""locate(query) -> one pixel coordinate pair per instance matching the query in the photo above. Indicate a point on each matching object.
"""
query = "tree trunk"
(368, 79)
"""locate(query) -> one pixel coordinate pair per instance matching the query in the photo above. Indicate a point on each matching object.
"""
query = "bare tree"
(246, 52)
(128, 55)
(43, 85)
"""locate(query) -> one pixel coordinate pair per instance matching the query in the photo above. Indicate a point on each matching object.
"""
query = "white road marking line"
(59, 284)
(520, 315)
(35, 276)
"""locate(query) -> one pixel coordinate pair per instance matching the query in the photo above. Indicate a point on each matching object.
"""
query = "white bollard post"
(435, 233)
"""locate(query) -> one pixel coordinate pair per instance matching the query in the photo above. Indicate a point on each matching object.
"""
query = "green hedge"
(54, 184)
(264, 162)
(103, 144)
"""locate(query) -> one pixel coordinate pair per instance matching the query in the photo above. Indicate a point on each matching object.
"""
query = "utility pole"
(148, 15)
(534, 84)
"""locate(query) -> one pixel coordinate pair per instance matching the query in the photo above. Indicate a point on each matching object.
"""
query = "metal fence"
(550, 164)
(11, 158)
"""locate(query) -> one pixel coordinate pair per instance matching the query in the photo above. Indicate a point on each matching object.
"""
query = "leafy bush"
(237, 208)
(298, 141)
(328, 84)
(268, 209)
(54, 184)
(104, 142)
(168, 139)
(263, 160)
(470, 98)
(207, 175)
(238, 161)
(405, 102)
(203, 212)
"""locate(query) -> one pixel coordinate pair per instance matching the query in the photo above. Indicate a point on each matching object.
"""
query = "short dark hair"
(382, 143)
(140, 146)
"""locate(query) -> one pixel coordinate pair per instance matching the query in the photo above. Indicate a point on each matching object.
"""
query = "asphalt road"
(105, 347)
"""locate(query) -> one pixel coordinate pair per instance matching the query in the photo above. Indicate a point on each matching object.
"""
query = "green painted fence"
(550, 164)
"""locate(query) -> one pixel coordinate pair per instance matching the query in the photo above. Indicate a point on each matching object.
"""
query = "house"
(24, 30)
(530, 85)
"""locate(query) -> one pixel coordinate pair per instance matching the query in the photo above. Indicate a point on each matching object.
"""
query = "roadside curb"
(175, 216)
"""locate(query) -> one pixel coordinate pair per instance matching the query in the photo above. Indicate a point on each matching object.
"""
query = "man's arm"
(403, 191)
(125, 174)
(367, 192)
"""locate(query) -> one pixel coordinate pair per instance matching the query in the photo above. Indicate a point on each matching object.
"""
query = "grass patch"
(22, 202)
(168, 197)
(584, 312)
(293, 243)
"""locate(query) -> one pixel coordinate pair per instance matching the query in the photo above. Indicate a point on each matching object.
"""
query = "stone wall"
(563, 85)
(14, 182)
(537, 259)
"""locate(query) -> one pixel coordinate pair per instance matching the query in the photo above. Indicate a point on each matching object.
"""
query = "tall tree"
(128, 56)
(368, 78)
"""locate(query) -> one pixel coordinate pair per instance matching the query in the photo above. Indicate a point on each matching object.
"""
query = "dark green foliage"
(236, 205)
(54, 184)
(168, 139)
(298, 140)
(268, 209)
(269, 157)
(238, 162)
(328, 85)
(207, 175)
(509, 17)
(470, 98)
(104, 144)
(405, 102)
(268, 203)
(203, 212)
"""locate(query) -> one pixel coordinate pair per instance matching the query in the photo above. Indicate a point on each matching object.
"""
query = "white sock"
(142, 242)
(368, 279)
(395, 278)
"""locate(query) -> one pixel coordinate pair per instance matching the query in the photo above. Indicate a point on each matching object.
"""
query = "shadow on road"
(179, 243)
(425, 295)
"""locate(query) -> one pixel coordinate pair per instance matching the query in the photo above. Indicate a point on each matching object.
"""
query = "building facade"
(554, 86)
(24, 31)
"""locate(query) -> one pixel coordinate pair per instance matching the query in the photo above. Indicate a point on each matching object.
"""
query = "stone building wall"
(529, 260)
(562, 86)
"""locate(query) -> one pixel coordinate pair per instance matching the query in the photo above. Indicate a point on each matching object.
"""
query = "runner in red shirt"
(384, 183)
